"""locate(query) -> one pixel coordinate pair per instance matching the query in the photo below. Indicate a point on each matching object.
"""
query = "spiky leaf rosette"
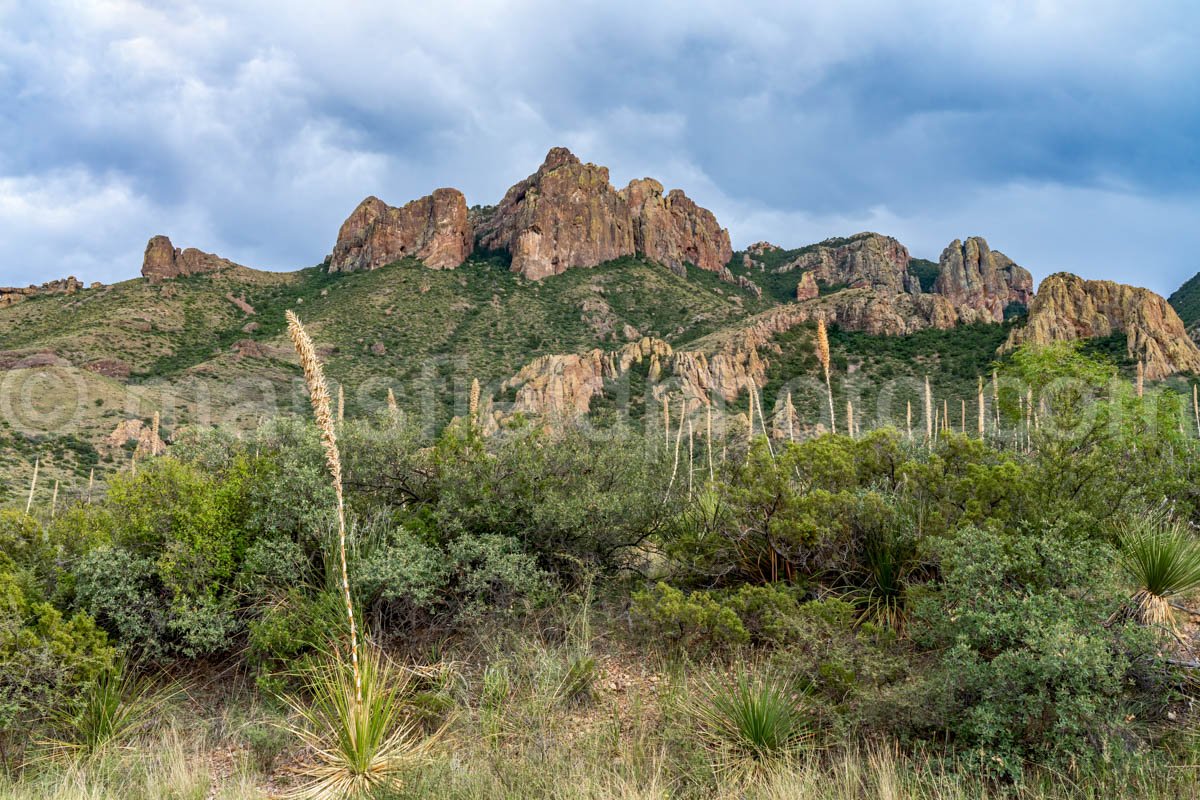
(1163, 559)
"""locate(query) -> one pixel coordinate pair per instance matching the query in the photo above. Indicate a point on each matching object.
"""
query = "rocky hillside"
(569, 296)
(1068, 307)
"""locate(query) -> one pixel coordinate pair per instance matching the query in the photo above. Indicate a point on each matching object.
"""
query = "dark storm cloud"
(1068, 133)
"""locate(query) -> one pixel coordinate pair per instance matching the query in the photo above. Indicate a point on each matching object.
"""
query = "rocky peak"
(865, 260)
(1068, 307)
(163, 261)
(971, 275)
(435, 229)
(568, 215)
(564, 215)
(673, 230)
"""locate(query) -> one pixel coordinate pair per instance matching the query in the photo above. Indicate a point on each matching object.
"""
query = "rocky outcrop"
(565, 215)
(568, 215)
(807, 288)
(435, 229)
(1068, 307)
(865, 260)
(164, 261)
(132, 431)
(673, 230)
(13, 295)
(972, 276)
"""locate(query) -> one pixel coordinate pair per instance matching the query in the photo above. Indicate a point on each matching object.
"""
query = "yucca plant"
(108, 713)
(1163, 559)
(751, 723)
(888, 562)
(357, 727)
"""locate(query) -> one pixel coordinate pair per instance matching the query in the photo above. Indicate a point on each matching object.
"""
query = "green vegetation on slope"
(1186, 301)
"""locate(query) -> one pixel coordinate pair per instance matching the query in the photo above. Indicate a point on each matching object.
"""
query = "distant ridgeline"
(567, 297)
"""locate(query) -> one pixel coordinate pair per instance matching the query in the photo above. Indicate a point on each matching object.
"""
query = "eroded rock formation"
(865, 260)
(15, 294)
(567, 215)
(972, 276)
(1068, 307)
(164, 261)
(435, 229)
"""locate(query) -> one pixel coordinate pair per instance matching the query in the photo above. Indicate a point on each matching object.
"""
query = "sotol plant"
(1163, 558)
(751, 724)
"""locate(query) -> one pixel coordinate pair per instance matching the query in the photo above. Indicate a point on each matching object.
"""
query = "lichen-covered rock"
(865, 260)
(435, 229)
(565, 215)
(973, 276)
(673, 230)
(1068, 307)
(163, 261)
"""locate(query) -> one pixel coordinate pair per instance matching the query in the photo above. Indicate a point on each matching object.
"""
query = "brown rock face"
(163, 261)
(1068, 307)
(807, 288)
(673, 230)
(434, 229)
(865, 260)
(13, 295)
(973, 276)
(567, 215)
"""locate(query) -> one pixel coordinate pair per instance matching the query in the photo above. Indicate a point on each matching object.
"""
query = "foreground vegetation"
(584, 613)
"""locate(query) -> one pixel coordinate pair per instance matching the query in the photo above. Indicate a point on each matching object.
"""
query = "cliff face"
(973, 276)
(673, 230)
(564, 215)
(434, 229)
(1068, 307)
(163, 261)
(865, 260)
(568, 215)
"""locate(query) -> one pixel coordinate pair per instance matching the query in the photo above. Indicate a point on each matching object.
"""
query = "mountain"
(1186, 302)
(569, 296)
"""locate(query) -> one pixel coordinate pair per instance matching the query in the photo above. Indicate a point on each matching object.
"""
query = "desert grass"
(823, 357)
(318, 392)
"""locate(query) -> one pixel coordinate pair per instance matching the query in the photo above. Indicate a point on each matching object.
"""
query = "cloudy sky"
(1067, 133)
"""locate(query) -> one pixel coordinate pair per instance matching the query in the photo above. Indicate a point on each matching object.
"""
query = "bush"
(1026, 669)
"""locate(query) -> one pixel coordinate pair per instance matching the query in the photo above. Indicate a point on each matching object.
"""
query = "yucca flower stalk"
(908, 418)
(37, 463)
(850, 419)
(54, 500)
(678, 441)
(791, 412)
(996, 396)
(754, 400)
(691, 462)
(341, 404)
(154, 438)
(708, 440)
(1141, 378)
(1196, 406)
(473, 402)
(1029, 418)
(962, 420)
(928, 412)
(823, 357)
(667, 420)
(750, 403)
(318, 393)
(980, 401)
(91, 483)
